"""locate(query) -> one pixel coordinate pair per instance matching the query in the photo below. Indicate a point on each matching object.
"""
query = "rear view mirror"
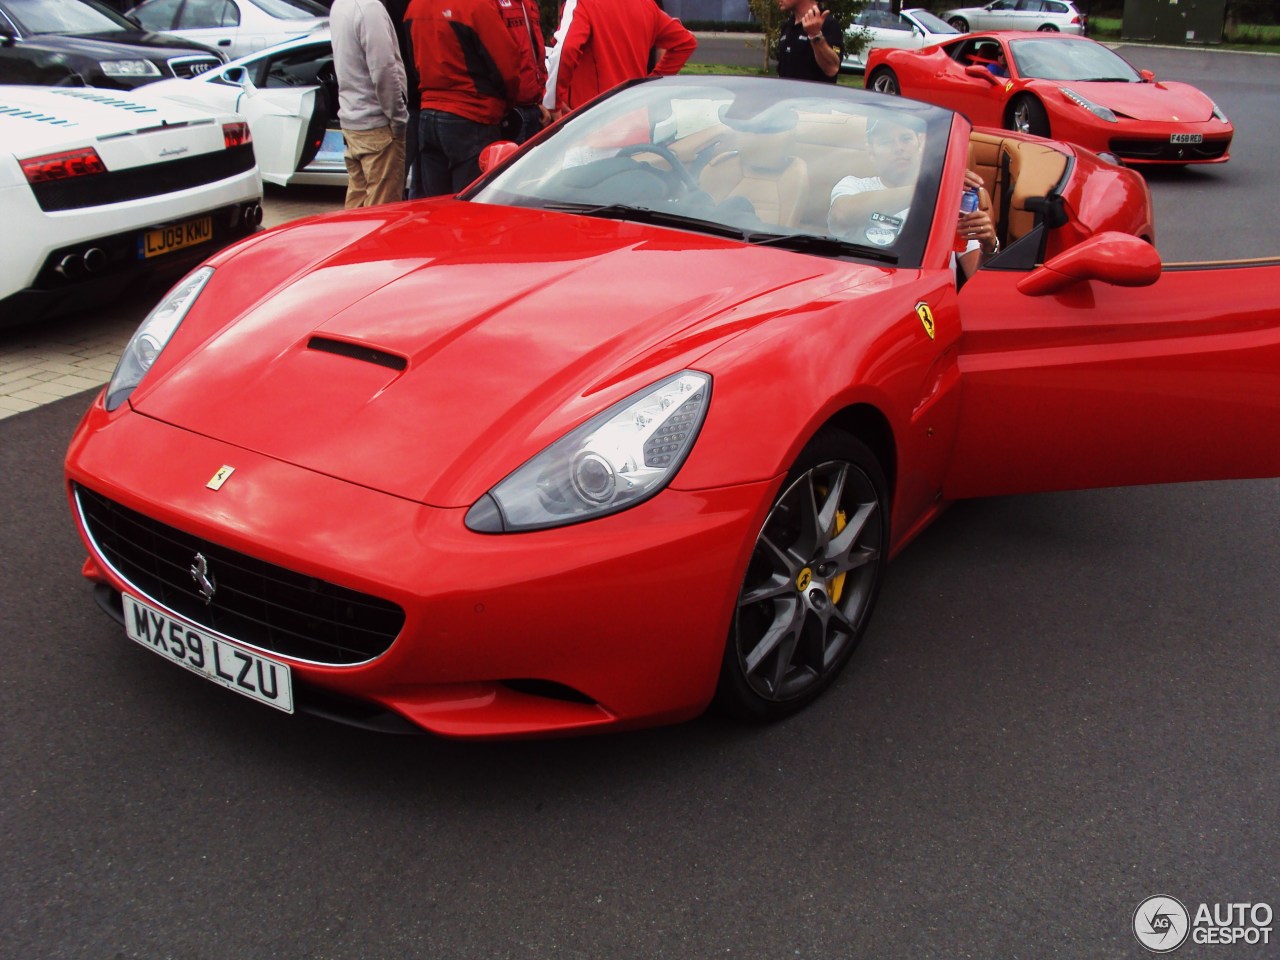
(495, 153)
(1108, 257)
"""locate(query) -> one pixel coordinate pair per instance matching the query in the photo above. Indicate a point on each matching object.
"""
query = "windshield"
(756, 159)
(64, 16)
(1061, 59)
(931, 23)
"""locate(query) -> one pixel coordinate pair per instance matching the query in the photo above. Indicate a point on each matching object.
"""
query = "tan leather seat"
(775, 184)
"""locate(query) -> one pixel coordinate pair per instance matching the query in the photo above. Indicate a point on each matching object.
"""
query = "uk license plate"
(162, 240)
(1186, 138)
(251, 674)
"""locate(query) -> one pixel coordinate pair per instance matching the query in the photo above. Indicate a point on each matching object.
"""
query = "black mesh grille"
(258, 603)
(151, 180)
(1164, 150)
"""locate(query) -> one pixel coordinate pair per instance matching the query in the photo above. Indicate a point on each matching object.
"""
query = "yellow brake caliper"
(837, 585)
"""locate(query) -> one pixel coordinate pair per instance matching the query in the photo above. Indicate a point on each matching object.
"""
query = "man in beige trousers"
(372, 109)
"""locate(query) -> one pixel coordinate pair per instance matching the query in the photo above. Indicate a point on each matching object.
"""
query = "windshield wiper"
(662, 218)
(823, 246)
(1105, 80)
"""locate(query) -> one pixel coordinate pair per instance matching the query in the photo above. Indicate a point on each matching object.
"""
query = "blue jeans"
(449, 151)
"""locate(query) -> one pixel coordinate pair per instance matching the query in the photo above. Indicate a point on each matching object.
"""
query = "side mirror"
(982, 73)
(1148, 76)
(237, 75)
(496, 153)
(1111, 257)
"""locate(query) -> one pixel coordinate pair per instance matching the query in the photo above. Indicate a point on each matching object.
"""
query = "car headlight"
(1101, 112)
(152, 336)
(129, 68)
(612, 462)
(1217, 112)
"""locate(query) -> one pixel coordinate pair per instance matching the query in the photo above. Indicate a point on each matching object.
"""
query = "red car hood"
(432, 353)
(1159, 102)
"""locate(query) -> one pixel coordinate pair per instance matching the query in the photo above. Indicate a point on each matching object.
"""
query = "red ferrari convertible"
(1065, 87)
(626, 427)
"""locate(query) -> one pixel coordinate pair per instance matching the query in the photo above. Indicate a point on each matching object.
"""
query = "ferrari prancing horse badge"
(926, 317)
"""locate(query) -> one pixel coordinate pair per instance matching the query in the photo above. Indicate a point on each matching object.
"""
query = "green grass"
(722, 69)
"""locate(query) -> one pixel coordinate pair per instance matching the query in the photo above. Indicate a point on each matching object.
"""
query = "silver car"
(235, 27)
(911, 29)
(1047, 16)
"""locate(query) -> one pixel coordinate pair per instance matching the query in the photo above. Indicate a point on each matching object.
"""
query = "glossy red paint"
(1149, 113)
(500, 329)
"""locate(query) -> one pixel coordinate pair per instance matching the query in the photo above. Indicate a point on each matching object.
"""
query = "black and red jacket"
(469, 63)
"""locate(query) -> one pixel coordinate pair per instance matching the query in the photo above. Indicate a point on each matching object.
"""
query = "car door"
(1095, 384)
(977, 97)
(280, 119)
(1000, 15)
(896, 31)
(215, 23)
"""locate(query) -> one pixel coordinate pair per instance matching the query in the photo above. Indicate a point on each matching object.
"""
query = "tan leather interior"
(774, 182)
(1014, 171)
(788, 177)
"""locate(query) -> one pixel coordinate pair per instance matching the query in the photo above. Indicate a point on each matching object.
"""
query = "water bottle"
(968, 204)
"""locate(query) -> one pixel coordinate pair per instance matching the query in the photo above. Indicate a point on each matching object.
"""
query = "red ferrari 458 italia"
(627, 427)
(1069, 88)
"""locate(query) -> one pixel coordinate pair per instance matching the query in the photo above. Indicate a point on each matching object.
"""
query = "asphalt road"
(1066, 703)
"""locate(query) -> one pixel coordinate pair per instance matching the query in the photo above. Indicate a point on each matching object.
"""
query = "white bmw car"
(103, 189)
(289, 95)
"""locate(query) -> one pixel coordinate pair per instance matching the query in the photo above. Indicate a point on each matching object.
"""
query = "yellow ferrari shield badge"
(220, 477)
(926, 317)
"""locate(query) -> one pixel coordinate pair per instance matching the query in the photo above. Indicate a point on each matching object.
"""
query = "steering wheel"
(678, 179)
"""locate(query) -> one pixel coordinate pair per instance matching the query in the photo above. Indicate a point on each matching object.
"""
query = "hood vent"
(358, 351)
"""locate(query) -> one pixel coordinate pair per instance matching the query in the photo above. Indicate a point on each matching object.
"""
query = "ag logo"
(1161, 924)
(926, 317)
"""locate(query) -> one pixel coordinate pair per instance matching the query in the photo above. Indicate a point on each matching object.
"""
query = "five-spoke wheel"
(884, 80)
(811, 581)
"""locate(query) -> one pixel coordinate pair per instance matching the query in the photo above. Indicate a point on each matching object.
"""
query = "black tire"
(960, 23)
(1047, 28)
(811, 583)
(1027, 115)
(884, 80)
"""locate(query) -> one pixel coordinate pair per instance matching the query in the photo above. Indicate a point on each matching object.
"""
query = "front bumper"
(619, 622)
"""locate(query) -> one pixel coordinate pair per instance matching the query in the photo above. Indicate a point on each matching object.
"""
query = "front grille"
(187, 67)
(151, 180)
(1171, 152)
(259, 603)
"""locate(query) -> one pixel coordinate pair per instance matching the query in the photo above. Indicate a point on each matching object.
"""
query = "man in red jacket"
(602, 43)
(470, 72)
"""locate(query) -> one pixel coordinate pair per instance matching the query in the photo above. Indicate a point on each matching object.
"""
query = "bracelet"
(814, 36)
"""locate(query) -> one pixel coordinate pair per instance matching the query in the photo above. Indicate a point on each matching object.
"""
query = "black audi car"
(85, 43)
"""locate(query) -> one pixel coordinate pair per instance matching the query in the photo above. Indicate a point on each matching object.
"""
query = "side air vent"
(358, 351)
